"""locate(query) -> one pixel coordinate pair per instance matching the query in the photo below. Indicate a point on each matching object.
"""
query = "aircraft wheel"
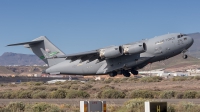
(126, 74)
(113, 74)
(185, 56)
(134, 72)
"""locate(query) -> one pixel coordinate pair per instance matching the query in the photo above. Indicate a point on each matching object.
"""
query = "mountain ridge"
(9, 58)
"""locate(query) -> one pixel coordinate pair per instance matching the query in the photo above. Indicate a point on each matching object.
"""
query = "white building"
(54, 81)
(194, 70)
(162, 73)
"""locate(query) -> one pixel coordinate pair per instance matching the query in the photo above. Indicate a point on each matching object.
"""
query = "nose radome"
(191, 41)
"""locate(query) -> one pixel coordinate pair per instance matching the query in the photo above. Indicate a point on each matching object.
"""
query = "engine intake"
(111, 52)
(134, 48)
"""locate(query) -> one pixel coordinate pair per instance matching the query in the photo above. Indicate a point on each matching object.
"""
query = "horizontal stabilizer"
(30, 43)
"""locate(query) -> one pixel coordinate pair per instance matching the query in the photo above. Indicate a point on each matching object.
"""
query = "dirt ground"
(161, 86)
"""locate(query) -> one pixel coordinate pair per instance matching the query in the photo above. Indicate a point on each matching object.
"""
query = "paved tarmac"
(76, 101)
(28, 79)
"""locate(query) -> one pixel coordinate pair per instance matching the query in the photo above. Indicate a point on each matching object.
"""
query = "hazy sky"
(76, 26)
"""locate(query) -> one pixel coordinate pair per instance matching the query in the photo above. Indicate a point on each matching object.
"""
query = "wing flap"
(82, 54)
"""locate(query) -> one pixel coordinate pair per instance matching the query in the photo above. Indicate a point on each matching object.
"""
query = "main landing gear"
(134, 72)
(126, 73)
(113, 74)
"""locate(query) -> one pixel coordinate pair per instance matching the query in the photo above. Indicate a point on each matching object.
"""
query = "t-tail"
(44, 49)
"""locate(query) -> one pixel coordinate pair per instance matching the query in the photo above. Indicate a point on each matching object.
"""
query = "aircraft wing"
(83, 56)
(144, 57)
(93, 52)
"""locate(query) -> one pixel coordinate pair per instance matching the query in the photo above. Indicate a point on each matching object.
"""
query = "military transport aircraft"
(111, 60)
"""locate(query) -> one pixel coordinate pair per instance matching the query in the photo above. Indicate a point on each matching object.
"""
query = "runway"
(76, 101)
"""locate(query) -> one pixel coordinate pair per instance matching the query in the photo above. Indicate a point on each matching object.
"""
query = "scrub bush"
(77, 94)
(179, 95)
(38, 88)
(141, 94)
(107, 87)
(52, 88)
(61, 93)
(40, 94)
(85, 87)
(167, 94)
(190, 94)
(15, 107)
(27, 94)
(74, 86)
(197, 77)
(151, 79)
(45, 107)
(109, 80)
(66, 86)
(6, 95)
(111, 93)
(134, 105)
(179, 78)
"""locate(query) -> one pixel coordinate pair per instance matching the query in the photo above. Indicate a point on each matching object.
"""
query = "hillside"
(194, 50)
(9, 58)
(4, 70)
(174, 62)
(20, 70)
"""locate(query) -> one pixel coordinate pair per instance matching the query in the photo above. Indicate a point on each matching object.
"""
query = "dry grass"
(160, 87)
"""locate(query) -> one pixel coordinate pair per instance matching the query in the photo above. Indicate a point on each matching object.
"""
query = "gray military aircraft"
(111, 60)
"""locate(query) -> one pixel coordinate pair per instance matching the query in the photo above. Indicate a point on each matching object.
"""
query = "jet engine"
(134, 48)
(111, 52)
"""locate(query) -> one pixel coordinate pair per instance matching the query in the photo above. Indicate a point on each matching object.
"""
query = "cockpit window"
(181, 35)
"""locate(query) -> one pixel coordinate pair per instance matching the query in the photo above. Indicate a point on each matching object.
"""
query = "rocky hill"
(20, 70)
(176, 63)
(9, 58)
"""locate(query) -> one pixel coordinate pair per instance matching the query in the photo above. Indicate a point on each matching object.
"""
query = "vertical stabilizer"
(44, 49)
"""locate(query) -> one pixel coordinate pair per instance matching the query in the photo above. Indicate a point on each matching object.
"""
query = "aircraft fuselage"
(157, 48)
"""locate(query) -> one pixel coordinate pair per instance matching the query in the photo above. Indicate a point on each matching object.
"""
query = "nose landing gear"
(185, 56)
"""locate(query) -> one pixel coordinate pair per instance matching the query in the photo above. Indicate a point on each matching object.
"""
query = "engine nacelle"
(111, 52)
(134, 48)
